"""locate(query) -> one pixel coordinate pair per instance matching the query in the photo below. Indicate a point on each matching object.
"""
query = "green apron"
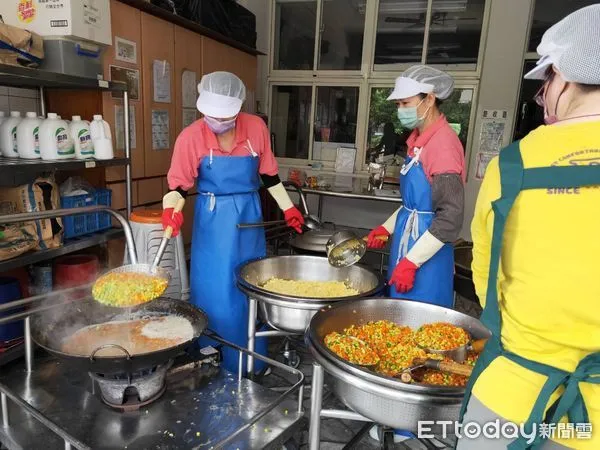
(514, 178)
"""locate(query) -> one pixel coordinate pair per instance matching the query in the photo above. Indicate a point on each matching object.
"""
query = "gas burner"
(131, 391)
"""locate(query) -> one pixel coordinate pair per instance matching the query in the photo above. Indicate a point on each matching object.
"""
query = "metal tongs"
(311, 222)
(435, 364)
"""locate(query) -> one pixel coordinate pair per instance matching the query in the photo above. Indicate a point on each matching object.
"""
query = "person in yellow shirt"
(536, 244)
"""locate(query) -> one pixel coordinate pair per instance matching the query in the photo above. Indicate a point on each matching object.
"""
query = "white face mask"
(218, 127)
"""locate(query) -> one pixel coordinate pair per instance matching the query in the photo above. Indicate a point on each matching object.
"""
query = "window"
(342, 32)
(548, 12)
(453, 27)
(290, 120)
(335, 121)
(385, 129)
(326, 93)
(295, 23)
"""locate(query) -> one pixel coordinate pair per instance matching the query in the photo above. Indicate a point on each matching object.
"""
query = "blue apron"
(513, 179)
(228, 195)
(434, 281)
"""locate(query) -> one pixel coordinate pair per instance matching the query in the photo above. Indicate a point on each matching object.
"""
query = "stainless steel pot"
(293, 314)
(383, 399)
(314, 241)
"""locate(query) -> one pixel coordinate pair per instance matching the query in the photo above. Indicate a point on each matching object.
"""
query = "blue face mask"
(409, 118)
(218, 127)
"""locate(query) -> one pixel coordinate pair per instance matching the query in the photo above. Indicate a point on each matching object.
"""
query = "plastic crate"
(83, 224)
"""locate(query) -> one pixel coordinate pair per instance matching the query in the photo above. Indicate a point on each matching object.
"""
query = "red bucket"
(75, 270)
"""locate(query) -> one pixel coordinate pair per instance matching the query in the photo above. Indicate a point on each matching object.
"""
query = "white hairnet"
(422, 79)
(221, 95)
(573, 47)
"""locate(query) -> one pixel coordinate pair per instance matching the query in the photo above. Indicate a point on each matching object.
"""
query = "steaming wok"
(49, 330)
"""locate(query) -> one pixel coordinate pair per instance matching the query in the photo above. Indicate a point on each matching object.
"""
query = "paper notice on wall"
(491, 138)
(189, 117)
(120, 127)
(162, 81)
(483, 159)
(189, 88)
(160, 130)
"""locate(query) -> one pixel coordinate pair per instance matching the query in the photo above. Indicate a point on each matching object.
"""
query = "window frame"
(365, 79)
(458, 84)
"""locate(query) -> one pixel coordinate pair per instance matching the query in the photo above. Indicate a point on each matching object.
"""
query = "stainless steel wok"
(293, 314)
(386, 400)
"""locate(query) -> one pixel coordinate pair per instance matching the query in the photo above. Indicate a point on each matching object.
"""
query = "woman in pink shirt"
(421, 265)
(227, 153)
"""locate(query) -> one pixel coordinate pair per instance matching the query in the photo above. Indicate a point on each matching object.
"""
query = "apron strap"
(513, 179)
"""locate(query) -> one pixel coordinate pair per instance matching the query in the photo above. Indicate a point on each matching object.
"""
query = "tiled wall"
(22, 100)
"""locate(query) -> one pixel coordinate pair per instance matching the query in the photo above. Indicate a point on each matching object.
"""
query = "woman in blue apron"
(421, 264)
(540, 370)
(228, 153)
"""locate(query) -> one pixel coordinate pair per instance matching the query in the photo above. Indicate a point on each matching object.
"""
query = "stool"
(147, 234)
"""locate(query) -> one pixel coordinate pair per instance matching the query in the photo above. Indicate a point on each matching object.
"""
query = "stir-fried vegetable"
(128, 288)
(351, 349)
(441, 336)
(396, 347)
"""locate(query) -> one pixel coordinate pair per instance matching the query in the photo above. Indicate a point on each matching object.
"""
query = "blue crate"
(83, 224)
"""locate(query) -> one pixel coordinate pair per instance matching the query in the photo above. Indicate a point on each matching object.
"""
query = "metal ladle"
(344, 248)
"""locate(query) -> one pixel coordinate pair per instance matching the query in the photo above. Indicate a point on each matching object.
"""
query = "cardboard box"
(81, 19)
(41, 195)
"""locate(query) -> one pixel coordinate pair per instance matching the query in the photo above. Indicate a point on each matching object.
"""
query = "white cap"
(98, 117)
(572, 46)
(31, 115)
(221, 95)
(421, 79)
(15, 114)
(76, 118)
(52, 116)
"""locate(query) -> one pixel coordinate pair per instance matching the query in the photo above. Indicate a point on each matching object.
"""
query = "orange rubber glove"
(403, 276)
(374, 239)
(294, 218)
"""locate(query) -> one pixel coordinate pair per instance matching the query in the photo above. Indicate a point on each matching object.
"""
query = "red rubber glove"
(378, 238)
(403, 277)
(294, 219)
(173, 219)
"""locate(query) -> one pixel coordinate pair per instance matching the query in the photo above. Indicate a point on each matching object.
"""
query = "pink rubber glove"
(403, 277)
(294, 219)
(173, 219)
(378, 238)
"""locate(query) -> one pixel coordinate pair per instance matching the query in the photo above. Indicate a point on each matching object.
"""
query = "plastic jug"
(28, 136)
(55, 141)
(101, 138)
(8, 135)
(82, 138)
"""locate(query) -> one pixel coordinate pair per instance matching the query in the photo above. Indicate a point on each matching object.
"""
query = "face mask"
(218, 127)
(409, 118)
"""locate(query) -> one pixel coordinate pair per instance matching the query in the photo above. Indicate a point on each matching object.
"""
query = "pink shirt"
(441, 149)
(195, 142)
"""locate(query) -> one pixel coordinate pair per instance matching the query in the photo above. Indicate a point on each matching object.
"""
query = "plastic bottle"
(82, 138)
(102, 138)
(28, 136)
(8, 135)
(55, 141)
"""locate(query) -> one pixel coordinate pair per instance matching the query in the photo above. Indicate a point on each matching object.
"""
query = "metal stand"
(317, 411)
(253, 334)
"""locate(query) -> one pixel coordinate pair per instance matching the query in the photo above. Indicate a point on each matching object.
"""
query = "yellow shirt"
(549, 281)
